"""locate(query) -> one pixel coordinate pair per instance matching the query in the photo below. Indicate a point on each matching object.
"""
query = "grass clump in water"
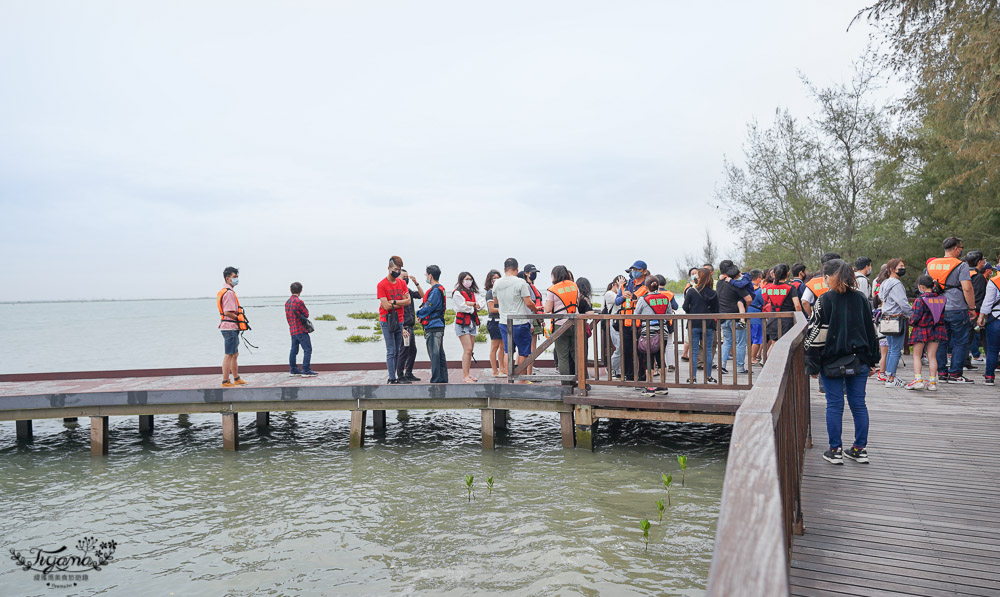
(356, 338)
(341, 327)
(363, 315)
(326, 317)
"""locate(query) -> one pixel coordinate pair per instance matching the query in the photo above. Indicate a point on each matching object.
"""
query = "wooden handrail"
(761, 493)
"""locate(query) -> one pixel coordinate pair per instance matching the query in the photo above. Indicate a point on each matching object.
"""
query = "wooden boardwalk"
(923, 518)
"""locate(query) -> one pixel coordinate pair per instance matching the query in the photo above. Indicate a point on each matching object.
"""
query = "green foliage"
(683, 461)
(341, 327)
(326, 317)
(363, 315)
(365, 327)
(659, 509)
(667, 480)
(481, 337)
(644, 525)
(358, 338)
(468, 485)
(489, 484)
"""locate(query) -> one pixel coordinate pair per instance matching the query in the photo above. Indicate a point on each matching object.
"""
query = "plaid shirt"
(295, 312)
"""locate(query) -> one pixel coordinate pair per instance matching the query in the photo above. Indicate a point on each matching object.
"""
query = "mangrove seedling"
(667, 480)
(659, 508)
(644, 525)
(489, 485)
(683, 461)
(468, 485)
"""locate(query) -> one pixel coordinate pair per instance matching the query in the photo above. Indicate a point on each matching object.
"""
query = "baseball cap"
(640, 264)
(530, 269)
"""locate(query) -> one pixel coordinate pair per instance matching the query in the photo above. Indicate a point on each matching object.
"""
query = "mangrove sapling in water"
(659, 508)
(468, 485)
(489, 485)
(667, 480)
(683, 461)
(644, 525)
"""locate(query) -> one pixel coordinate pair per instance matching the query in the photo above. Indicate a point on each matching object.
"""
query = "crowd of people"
(858, 327)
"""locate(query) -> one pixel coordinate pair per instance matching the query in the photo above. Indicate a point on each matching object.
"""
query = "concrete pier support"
(99, 436)
(489, 428)
(230, 432)
(378, 421)
(145, 424)
(263, 419)
(69, 420)
(24, 432)
(568, 433)
(500, 417)
(586, 426)
(358, 420)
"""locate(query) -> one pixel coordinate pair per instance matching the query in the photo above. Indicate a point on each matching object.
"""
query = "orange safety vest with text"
(241, 318)
(628, 306)
(941, 268)
(817, 286)
(567, 292)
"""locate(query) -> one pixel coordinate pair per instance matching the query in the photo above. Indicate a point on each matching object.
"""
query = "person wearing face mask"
(863, 269)
(393, 296)
(609, 307)
(408, 353)
(691, 280)
(627, 301)
(233, 321)
(951, 277)
(895, 305)
(563, 297)
(466, 319)
(431, 314)
(497, 362)
(530, 274)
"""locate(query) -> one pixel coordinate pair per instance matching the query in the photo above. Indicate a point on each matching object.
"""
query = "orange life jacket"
(539, 303)
(941, 268)
(467, 318)
(628, 306)
(817, 286)
(241, 318)
(567, 293)
(996, 280)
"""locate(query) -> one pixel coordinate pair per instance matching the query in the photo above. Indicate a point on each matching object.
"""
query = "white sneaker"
(896, 383)
(979, 360)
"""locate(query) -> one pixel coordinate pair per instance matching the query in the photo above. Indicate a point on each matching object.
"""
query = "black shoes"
(834, 456)
(398, 381)
(857, 455)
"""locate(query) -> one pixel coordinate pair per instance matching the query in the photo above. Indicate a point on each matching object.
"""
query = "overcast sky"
(145, 146)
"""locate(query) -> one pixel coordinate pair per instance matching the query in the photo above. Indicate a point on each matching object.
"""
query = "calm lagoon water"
(295, 512)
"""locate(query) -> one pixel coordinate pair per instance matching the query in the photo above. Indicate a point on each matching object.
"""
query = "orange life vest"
(817, 286)
(539, 303)
(941, 268)
(659, 301)
(241, 318)
(628, 306)
(774, 296)
(996, 280)
(467, 318)
(567, 293)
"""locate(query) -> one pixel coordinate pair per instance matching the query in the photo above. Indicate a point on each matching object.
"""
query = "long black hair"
(488, 284)
(461, 277)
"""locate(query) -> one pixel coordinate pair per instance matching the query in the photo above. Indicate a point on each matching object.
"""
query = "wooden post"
(98, 436)
(489, 431)
(23, 428)
(583, 417)
(581, 348)
(378, 421)
(230, 432)
(263, 419)
(145, 424)
(500, 416)
(566, 423)
(358, 419)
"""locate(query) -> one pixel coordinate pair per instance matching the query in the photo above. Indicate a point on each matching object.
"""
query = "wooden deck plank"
(922, 518)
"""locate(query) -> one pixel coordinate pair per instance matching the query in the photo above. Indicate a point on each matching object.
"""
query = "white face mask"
(234, 281)
(467, 283)
(694, 279)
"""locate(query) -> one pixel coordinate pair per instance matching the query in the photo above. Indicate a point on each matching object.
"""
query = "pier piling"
(489, 429)
(230, 432)
(586, 426)
(378, 421)
(263, 419)
(145, 424)
(358, 419)
(24, 433)
(566, 425)
(99, 436)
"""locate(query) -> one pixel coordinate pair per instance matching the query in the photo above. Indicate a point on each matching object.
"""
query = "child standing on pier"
(928, 331)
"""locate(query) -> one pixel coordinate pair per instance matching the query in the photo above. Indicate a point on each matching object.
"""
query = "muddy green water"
(295, 512)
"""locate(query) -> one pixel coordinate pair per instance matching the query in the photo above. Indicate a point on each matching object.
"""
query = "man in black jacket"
(977, 271)
(404, 364)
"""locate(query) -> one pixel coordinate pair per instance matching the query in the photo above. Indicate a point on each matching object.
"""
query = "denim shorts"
(493, 327)
(466, 330)
(232, 341)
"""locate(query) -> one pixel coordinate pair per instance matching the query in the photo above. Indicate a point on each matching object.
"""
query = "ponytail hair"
(652, 284)
(840, 274)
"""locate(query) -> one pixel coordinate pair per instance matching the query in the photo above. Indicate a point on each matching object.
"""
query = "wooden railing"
(761, 496)
(655, 365)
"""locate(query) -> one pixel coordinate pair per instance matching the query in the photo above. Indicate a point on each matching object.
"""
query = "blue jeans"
(696, 339)
(854, 387)
(728, 329)
(957, 323)
(895, 352)
(305, 342)
(992, 346)
(393, 347)
(435, 351)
